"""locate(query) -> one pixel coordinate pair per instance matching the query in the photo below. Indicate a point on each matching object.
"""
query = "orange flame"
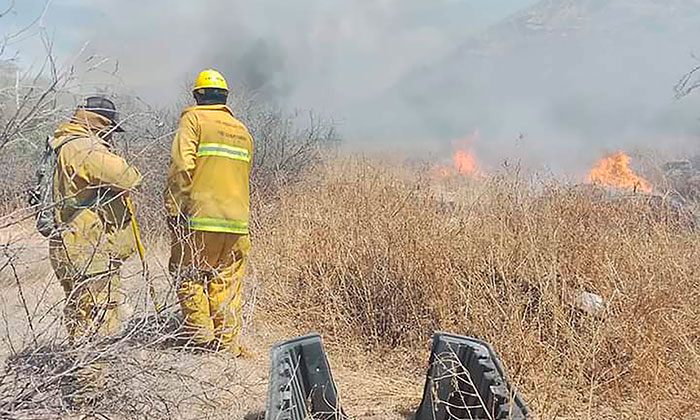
(464, 158)
(614, 171)
(466, 163)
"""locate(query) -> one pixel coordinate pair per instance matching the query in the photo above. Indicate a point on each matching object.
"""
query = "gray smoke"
(557, 84)
(305, 53)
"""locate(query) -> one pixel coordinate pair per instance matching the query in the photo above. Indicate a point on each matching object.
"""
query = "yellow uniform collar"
(208, 108)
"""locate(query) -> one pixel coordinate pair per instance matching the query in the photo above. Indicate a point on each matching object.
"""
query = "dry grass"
(150, 373)
(375, 256)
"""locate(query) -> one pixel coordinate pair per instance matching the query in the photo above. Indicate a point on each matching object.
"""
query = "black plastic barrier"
(301, 385)
(466, 381)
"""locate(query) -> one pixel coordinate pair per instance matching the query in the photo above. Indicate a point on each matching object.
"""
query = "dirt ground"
(369, 389)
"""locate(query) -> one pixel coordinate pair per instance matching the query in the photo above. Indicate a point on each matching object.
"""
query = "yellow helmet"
(210, 79)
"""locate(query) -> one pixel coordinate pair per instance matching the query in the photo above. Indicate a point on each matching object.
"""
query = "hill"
(573, 76)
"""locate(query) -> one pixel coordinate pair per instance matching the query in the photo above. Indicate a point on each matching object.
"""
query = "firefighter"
(207, 199)
(90, 184)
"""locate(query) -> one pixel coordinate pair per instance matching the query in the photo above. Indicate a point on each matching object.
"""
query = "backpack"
(41, 196)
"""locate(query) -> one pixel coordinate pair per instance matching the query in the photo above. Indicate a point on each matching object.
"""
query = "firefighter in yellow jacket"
(207, 198)
(90, 186)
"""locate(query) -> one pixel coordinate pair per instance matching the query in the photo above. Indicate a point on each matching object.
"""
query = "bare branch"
(8, 9)
(688, 83)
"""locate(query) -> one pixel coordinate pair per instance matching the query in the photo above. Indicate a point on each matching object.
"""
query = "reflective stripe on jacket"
(208, 182)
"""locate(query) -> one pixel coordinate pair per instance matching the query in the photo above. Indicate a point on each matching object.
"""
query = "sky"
(315, 54)
(574, 78)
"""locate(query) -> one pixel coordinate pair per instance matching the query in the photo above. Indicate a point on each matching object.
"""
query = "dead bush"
(367, 253)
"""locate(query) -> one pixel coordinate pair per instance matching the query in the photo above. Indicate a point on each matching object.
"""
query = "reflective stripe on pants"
(210, 224)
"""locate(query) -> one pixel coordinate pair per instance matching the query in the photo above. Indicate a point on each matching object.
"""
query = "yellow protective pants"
(94, 309)
(94, 302)
(209, 268)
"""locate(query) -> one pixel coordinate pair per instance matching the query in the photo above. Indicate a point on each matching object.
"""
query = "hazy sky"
(309, 53)
(574, 78)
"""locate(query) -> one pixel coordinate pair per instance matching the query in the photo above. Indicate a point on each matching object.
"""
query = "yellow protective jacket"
(90, 182)
(209, 171)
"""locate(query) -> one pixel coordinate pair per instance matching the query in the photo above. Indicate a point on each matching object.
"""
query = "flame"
(466, 163)
(614, 171)
(464, 158)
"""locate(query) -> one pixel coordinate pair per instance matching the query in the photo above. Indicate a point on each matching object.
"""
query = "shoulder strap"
(70, 139)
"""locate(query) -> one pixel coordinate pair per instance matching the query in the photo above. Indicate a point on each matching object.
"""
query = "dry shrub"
(373, 254)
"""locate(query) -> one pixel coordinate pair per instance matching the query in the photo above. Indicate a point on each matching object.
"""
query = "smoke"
(305, 53)
(557, 84)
